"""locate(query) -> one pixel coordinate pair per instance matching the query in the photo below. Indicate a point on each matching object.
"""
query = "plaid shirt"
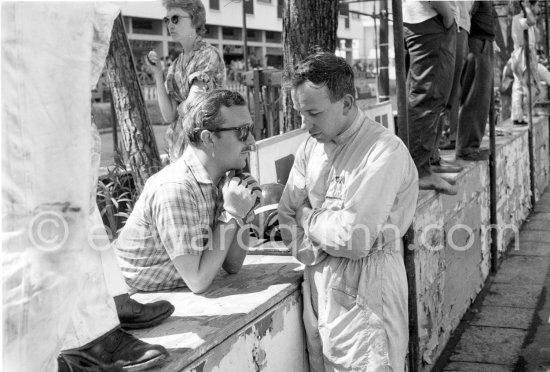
(174, 216)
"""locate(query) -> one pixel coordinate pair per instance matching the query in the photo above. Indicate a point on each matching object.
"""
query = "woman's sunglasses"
(242, 131)
(174, 19)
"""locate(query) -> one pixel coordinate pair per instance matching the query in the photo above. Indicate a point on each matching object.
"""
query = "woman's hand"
(153, 63)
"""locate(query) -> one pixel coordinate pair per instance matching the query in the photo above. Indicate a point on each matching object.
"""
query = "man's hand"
(302, 213)
(240, 196)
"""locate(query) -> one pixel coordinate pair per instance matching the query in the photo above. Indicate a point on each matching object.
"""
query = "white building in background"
(145, 29)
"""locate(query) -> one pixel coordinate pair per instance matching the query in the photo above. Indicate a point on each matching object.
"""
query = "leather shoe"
(72, 363)
(447, 145)
(134, 315)
(477, 155)
(120, 348)
(520, 122)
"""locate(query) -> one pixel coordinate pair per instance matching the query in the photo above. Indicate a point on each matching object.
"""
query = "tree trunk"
(137, 133)
(306, 24)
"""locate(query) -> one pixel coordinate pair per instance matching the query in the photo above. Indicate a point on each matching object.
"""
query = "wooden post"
(137, 133)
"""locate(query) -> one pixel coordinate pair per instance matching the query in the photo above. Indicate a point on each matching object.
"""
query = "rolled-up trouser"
(476, 96)
(49, 269)
(356, 314)
(432, 51)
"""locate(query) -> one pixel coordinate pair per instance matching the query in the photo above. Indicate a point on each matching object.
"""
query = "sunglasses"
(242, 131)
(174, 19)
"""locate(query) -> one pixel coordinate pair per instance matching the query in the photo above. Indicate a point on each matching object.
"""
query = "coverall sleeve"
(294, 196)
(371, 193)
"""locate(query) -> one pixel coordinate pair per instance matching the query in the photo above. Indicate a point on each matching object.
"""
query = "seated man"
(184, 226)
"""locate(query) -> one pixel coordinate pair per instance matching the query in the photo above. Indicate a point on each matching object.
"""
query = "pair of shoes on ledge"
(134, 315)
(116, 350)
(445, 166)
(480, 154)
(437, 183)
(520, 122)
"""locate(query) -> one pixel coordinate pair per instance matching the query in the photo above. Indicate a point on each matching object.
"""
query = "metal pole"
(493, 180)
(376, 47)
(384, 78)
(546, 28)
(245, 53)
(415, 360)
(527, 51)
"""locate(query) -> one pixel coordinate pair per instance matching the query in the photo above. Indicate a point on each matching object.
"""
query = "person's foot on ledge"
(134, 315)
(118, 347)
(447, 145)
(435, 182)
(444, 166)
(477, 155)
(449, 178)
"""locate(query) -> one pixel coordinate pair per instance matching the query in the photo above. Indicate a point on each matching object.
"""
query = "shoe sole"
(150, 323)
(145, 365)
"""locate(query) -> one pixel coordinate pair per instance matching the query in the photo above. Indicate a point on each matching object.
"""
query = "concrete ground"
(507, 327)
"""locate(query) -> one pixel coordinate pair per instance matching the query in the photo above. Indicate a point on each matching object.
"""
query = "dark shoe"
(478, 155)
(71, 363)
(134, 315)
(444, 166)
(120, 348)
(434, 182)
(520, 122)
(448, 145)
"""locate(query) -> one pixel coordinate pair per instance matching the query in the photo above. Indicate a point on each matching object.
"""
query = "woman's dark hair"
(325, 69)
(196, 10)
(203, 111)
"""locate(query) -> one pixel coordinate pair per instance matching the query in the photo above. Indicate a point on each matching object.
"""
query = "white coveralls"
(54, 290)
(363, 189)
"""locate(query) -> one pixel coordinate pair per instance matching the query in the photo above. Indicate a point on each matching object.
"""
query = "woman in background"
(199, 67)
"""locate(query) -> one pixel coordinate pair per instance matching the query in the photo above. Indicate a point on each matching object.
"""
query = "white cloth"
(464, 9)
(363, 189)
(415, 11)
(519, 24)
(52, 278)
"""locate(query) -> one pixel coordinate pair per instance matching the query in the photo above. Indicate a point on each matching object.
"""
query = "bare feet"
(435, 182)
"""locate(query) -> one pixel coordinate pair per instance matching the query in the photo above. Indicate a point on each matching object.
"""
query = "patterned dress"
(204, 64)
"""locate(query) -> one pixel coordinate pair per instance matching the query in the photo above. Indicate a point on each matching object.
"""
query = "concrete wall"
(273, 342)
(453, 238)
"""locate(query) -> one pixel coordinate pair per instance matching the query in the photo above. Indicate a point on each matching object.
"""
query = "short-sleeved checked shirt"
(174, 216)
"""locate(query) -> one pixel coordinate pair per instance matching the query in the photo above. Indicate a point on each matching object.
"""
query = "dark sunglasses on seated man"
(242, 131)
(175, 19)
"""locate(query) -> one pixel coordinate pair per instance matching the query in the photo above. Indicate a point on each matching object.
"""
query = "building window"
(211, 32)
(146, 26)
(249, 6)
(215, 4)
(280, 8)
(272, 37)
(344, 11)
(265, 1)
(231, 33)
(253, 35)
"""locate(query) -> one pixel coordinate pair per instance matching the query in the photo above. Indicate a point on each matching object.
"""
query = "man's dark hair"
(203, 111)
(326, 69)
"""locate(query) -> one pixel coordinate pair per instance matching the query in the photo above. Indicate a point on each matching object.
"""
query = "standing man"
(350, 197)
(183, 228)
(430, 38)
(477, 84)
